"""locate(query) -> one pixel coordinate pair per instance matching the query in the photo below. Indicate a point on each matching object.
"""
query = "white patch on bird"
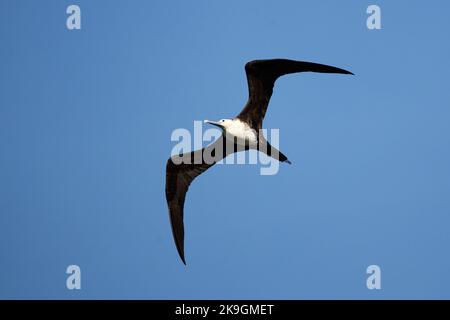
(241, 130)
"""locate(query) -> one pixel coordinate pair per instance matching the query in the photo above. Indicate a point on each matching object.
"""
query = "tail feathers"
(283, 158)
(273, 152)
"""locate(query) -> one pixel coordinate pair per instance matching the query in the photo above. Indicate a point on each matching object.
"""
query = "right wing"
(180, 172)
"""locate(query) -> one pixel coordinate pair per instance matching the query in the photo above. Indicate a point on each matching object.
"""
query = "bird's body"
(242, 132)
(239, 131)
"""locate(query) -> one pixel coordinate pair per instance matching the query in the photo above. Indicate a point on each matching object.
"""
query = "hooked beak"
(217, 124)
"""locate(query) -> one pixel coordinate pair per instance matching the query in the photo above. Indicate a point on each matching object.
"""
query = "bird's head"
(223, 123)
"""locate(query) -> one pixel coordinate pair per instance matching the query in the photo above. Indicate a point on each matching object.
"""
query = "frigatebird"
(243, 132)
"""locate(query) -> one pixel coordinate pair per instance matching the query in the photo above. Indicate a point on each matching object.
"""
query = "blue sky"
(85, 124)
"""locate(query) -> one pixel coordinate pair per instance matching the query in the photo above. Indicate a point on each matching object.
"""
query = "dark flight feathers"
(180, 172)
(261, 77)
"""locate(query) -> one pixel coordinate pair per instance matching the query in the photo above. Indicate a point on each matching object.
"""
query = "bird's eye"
(222, 120)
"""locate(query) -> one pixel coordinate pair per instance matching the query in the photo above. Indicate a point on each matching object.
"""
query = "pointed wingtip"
(347, 72)
(343, 71)
(340, 70)
(180, 249)
(288, 162)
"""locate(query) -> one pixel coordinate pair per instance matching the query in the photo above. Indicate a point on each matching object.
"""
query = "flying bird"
(243, 132)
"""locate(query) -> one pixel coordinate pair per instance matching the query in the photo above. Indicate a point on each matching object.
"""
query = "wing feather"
(261, 77)
(180, 172)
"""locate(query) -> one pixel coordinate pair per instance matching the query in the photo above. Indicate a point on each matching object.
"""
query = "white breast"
(242, 131)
